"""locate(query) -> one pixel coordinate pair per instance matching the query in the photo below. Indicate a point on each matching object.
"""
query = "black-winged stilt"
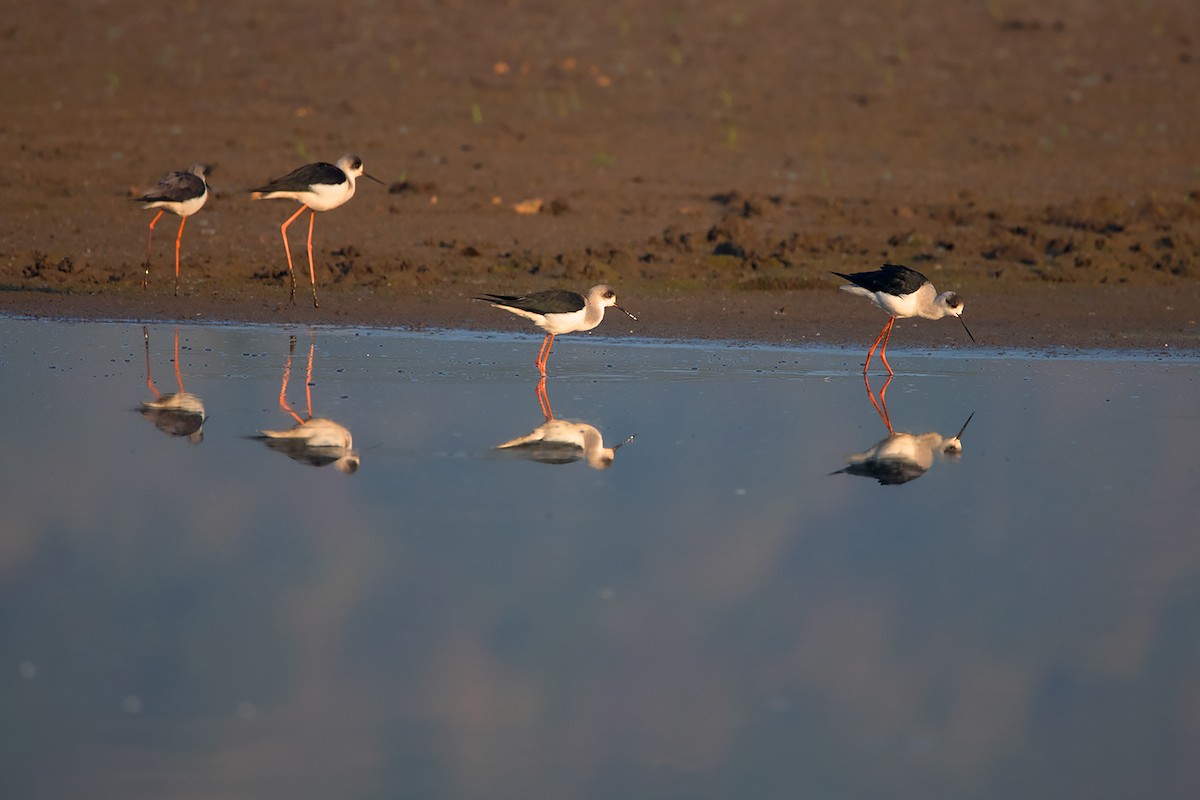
(181, 193)
(558, 311)
(902, 292)
(317, 187)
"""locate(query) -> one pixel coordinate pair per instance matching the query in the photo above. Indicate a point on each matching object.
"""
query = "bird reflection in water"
(312, 440)
(901, 457)
(178, 414)
(562, 441)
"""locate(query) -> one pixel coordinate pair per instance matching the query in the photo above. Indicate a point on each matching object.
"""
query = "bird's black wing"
(300, 179)
(555, 301)
(175, 188)
(890, 279)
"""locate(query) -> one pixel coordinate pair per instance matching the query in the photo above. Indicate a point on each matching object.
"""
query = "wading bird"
(558, 311)
(902, 292)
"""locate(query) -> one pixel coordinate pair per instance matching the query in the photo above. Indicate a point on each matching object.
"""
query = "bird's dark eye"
(610, 294)
(357, 163)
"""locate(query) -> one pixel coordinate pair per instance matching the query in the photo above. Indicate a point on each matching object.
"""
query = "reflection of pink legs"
(884, 336)
(881, 405)
(287, 374)
(544, 353)
(149, 380)
(178, 375)
(544, 400)
(312, 346)
(288, 250)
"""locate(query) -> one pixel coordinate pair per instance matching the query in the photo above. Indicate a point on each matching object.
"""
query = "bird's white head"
(950, 304)
(352, 165)
(200, 171)
(604, 296)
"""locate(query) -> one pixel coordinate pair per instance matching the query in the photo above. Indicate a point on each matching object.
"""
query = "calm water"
(717, 614)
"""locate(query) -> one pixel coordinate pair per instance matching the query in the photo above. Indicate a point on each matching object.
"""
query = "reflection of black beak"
(964, 427)
(631, 316)
(381, 183)
(617, 447)
(965, 328)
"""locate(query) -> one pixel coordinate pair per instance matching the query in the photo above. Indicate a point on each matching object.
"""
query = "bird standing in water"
(558, 311)
(902, 292)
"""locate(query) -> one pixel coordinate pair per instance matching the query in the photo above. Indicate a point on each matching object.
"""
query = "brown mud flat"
(713, 162)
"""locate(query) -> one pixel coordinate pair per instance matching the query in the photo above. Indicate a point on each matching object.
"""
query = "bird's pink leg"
(288, 250)
(883, 350)
(544, 353)
(178, 239)
(150, 248)
(887, 327)
(544, 400)
(312, 271)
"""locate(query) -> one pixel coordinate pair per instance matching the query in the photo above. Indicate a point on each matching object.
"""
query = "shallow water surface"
(761, 594)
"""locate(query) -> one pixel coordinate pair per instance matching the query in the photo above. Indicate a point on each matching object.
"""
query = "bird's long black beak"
(372, 177)
(965, 328)
(618, 446)
(631, 316)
